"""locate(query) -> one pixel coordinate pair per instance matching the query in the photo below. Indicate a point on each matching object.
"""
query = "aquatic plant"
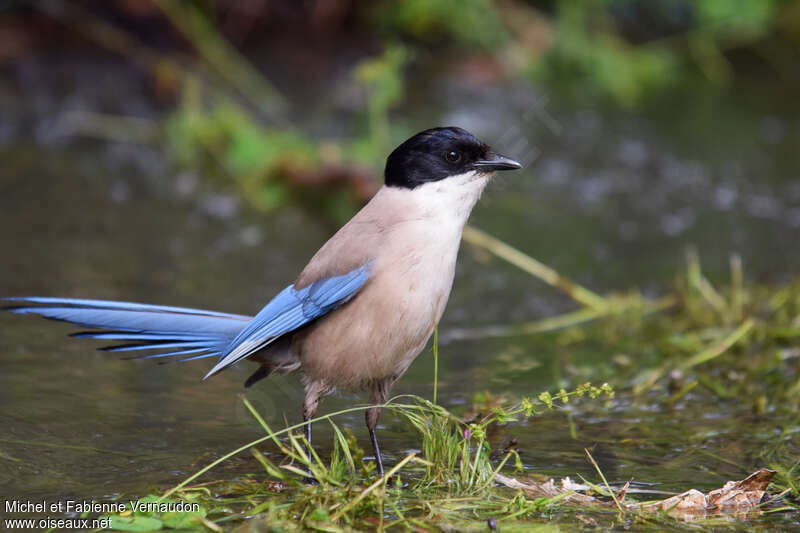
(451, 480)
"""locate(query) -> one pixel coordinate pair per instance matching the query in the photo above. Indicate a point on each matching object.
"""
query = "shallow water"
(609, 198)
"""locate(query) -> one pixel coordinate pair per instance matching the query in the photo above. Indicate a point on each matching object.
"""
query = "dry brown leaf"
(691, 500)
(549, 488)
(741, 494)
(734, 496)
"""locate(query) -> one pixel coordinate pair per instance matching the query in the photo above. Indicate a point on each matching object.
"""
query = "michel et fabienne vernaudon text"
(80, 509)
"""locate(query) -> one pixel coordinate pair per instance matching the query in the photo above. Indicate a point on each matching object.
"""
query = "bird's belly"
(379, 333)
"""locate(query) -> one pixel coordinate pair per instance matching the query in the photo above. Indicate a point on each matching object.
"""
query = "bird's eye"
(453, 156)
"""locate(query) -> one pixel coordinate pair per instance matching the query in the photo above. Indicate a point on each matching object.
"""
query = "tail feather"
(202, 351)
(134, 336)
(159, 346)
(180, 331)
(114, 304)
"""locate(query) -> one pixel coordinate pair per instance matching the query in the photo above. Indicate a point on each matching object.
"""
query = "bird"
(362, 309)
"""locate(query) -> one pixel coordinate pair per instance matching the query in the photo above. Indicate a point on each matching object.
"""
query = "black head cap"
(439, 153)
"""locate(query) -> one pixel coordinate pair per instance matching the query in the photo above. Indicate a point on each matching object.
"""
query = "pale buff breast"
(379, 333)
(412, 242)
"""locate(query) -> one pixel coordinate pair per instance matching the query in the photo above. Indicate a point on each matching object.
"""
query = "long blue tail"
(168, 331)
(195, 333)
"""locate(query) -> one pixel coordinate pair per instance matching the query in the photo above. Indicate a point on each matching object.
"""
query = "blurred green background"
(284, 97)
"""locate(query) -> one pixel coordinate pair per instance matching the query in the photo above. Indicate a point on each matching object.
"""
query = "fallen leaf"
(549, 488)
(733, 497)
(736, 495)
(691, 500)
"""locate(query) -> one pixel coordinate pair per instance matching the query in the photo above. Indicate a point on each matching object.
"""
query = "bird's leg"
(307, 420)
(372, 421)
(313, 392)
(378, 392)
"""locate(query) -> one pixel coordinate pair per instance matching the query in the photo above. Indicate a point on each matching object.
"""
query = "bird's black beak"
(495, 161)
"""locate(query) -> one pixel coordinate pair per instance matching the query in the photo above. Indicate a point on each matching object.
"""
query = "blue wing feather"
(290, 310)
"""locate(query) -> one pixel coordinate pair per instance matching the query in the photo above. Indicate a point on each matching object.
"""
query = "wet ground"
(609, 198)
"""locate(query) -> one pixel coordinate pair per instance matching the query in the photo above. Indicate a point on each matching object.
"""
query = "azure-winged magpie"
(361, 310)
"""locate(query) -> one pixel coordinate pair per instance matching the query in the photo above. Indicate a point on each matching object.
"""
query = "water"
(609, 198)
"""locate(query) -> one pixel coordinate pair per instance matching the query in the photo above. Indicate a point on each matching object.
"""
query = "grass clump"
(448, 483)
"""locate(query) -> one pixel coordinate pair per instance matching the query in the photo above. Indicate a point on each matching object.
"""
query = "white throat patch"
(452, 197)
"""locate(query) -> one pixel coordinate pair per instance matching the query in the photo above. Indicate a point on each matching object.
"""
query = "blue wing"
(290, 310)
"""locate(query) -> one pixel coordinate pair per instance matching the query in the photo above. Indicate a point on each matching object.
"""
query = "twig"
(532, 266)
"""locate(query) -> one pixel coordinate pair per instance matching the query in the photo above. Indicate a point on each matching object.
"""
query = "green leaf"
(318, 515)
(183, 519)
(133, 523)
(152, 498)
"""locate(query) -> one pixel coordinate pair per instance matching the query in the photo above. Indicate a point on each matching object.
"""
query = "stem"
(532, 266)
(605, 482)
(435, 363)
(718, 349)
